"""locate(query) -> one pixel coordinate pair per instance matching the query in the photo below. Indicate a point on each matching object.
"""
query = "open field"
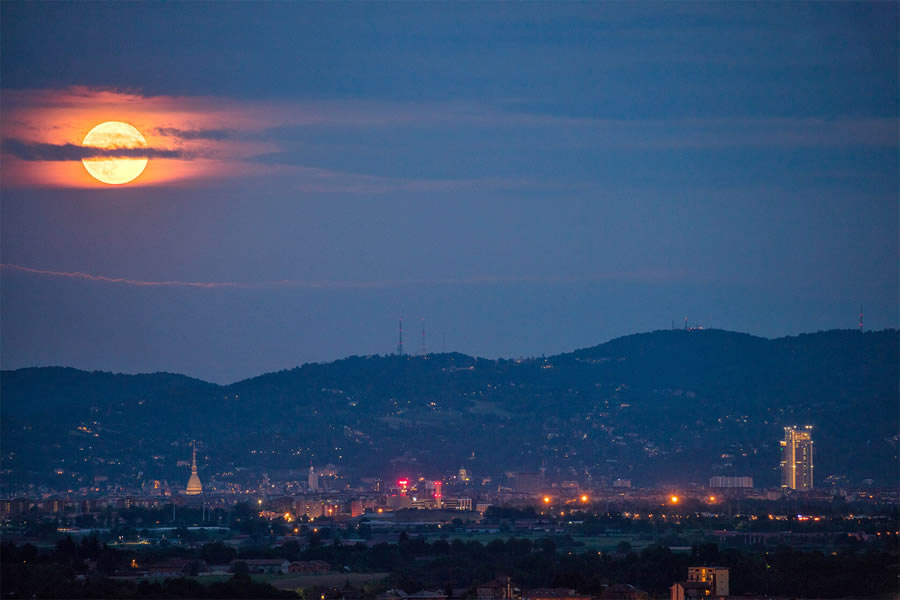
(599, 543)
(294, 581)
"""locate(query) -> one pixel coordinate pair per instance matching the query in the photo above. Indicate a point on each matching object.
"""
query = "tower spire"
(194, 487)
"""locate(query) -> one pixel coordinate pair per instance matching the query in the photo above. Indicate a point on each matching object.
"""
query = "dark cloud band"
(65, 152)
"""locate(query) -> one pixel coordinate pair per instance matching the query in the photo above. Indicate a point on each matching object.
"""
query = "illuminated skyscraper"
(797, 458)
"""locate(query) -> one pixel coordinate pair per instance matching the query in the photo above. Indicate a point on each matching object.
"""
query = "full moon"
(113, 169)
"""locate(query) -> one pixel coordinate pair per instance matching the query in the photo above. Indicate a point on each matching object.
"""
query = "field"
(294, 581)
(599, 543)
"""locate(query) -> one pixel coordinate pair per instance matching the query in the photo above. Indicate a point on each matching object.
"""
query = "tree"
(218, 553)
(241, 571)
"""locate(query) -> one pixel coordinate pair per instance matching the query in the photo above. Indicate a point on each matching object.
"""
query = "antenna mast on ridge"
(424, 347)
(860, 319)
(400, 343)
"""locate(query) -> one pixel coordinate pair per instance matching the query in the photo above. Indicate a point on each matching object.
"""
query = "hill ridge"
(459, 354)
(668, 406)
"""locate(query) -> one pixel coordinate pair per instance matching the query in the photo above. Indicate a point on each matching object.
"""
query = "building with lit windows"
(730, 482)
(716, 577)
(702, 582)
(797, 458)
(312, 481)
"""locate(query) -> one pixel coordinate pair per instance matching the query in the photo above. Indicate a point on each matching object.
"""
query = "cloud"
(31, 151)
(196, 134)
(635, 276)
(377, 146)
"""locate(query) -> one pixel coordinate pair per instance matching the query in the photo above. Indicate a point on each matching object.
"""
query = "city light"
(673, 499)
(546, 499)
(584, 498)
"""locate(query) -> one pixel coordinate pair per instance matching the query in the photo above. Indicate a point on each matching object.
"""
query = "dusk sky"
(529, 178)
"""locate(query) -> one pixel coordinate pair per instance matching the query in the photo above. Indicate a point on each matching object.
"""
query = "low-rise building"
(623, 591)
(553, 594)
(685, 590)
(498, 589)
(312, 567)
(265, 565)
(702, 582)
(177, 567)
(717, 577)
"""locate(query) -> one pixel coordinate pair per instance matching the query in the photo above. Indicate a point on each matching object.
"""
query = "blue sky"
(528, 178)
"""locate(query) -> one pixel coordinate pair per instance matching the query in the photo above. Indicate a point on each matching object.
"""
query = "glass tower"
(797, 458)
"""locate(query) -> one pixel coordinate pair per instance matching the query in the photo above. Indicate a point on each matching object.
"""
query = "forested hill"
(661, 407)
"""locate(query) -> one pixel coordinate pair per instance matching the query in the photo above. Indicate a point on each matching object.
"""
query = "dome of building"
(194, 487)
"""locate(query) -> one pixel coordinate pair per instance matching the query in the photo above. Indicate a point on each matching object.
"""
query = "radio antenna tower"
(424, 347)
(400, 343)
(860, 319)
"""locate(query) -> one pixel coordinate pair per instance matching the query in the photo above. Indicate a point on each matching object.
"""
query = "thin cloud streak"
(196, 134)
(638, 276)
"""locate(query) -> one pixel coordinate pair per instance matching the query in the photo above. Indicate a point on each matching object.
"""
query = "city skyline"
(449, 301)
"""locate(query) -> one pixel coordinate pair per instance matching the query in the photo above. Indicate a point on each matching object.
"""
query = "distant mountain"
(659, 408)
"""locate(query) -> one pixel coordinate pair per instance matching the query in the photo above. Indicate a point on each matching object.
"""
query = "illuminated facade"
(797, 458)
(438, 496)
(702, 583)
(194, 487)
(716, 577)
(730, 482)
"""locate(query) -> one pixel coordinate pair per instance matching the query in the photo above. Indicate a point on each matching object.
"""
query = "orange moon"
(114, 170)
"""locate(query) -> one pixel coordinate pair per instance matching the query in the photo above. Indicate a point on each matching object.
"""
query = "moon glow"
(114, 170)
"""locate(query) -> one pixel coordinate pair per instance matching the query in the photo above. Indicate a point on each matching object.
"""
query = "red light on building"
(437, 489)
(404, 484)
